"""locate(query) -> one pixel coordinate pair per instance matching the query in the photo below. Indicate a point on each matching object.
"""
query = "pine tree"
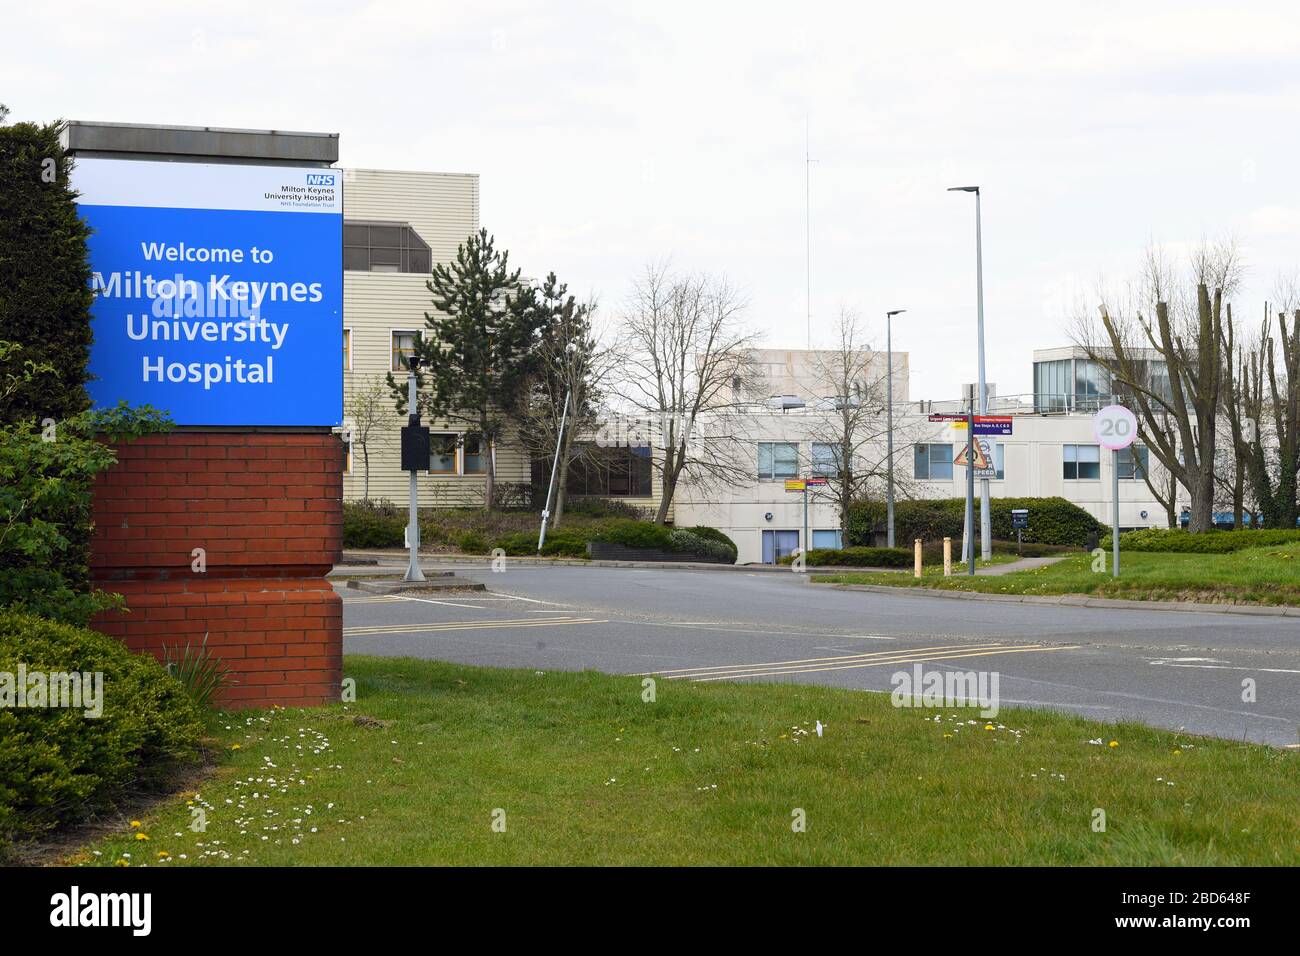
(45, 293)
(480, 350)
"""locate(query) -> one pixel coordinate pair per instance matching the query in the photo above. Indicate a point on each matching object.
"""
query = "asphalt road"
(1173, 669)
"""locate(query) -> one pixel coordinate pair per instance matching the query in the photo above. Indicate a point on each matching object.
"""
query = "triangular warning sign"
(981, 460)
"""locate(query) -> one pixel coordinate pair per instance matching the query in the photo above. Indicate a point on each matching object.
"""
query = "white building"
(1050, 453)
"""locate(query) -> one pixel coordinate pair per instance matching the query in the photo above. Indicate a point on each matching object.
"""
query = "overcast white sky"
(607, 137)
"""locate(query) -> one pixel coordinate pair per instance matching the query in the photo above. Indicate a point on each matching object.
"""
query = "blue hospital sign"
(218, 290)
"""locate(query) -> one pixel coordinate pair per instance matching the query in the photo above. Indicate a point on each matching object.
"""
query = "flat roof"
(217, 143)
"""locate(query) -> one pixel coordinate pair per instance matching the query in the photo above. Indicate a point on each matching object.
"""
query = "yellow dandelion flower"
(142, 836)
(234, 747)
(1114, 743)
(121, 862)
(135, 823)
(988, 727)
(163, 855)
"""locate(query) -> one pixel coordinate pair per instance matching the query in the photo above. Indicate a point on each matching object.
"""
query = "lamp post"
(889, 426)
(986, 542)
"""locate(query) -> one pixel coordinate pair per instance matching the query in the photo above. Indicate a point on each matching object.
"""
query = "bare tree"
(852, 387)
(369, 420)
(1160, 481)
(686, 366)
(574, 367)
(1186, 338)
(1262, 404)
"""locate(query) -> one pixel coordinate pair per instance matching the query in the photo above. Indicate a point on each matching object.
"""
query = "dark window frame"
(393, 246)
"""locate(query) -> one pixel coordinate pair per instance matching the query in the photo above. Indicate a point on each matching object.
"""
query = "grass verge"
(587, 772)
(1269, 576)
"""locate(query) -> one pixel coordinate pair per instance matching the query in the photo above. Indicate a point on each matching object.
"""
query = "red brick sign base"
(229, 535)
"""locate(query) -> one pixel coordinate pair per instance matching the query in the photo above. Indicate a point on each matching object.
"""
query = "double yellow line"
(814, 665)
(463, 626)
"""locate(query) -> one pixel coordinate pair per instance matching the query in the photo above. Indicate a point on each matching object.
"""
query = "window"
(347, 464)
(1052, 386)
(1134, 462)
(1082, 461)
(932, 462)
(347, 350)
(778, 459)
(403, 349)
(826, 539)
(442, 453)
(384, 247)
(474, 461)
(1000, 460)
(601, 471)
(1091, 385)
(825, 458)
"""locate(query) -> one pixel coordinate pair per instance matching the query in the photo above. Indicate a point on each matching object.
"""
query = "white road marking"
(1224, 667)
(759, 630)
(472, 607)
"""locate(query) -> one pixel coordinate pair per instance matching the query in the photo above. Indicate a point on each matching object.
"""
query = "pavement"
(1177, 669)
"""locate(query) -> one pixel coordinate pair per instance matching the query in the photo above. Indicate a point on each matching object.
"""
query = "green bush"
(563, 542)
(47, 476)
(688, 542)
(1205, 542)
(603, 508)
(1051, 520)
(471, 542)
(713, 534)
(857, 558)
(635, 534)
(373, 525)
(58, 765)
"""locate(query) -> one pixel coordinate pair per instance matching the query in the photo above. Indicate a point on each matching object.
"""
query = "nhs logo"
(320, 179)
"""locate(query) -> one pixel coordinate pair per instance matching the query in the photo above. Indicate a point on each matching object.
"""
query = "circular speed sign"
(1115, 427)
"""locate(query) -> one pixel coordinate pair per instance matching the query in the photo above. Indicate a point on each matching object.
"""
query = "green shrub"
(857, 558)
(713, 534)
(373, 525)
(47, 476)
(687, 542)
(603, 508)
(1205, 542)
(1051, 520)
(563, 542)
(471, 542)
(635, 534)
(56, 764)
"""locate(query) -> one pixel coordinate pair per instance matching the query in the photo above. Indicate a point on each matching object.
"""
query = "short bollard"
(947, 557)
(916, 550)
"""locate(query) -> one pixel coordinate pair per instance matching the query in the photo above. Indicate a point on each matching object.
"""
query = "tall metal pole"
(986, 538)
(1114, 525)
(889, 428)
(555, 463)
(806, 542)
(413, 570)
(970, 485)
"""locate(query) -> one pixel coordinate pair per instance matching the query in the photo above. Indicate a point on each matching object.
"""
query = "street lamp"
(889, 428)
(986, 543)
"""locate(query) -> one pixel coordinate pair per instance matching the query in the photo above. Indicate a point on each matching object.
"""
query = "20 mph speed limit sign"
(1115, 427)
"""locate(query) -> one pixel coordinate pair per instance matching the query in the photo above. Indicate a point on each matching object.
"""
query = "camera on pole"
(415, 459)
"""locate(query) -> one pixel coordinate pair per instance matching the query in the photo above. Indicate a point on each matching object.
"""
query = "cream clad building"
(397, 226)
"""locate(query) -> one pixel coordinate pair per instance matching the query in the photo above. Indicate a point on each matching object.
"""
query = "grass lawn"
(1254, 576)
(588, 773)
